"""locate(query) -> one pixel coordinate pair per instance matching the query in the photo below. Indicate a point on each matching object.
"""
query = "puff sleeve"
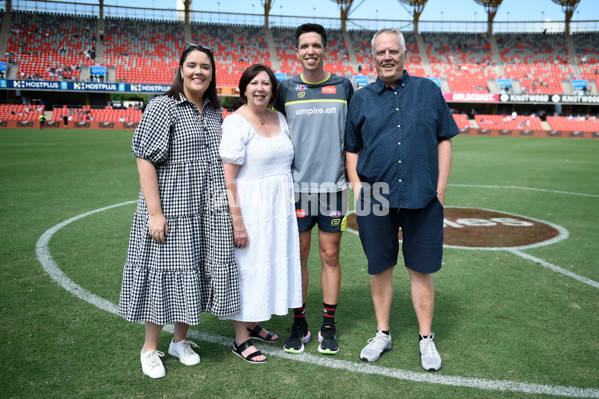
(236, 135)
(152, 135)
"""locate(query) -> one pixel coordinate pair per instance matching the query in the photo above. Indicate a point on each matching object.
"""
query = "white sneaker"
(151, 364)
(183, 351)
(377, 345)
(431, 361)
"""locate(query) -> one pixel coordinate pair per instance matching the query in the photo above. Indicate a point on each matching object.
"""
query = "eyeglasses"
(197, 45)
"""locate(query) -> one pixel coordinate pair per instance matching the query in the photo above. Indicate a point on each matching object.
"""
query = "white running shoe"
(183, 351)
(151, 364)
(431, 361)
(377, 345)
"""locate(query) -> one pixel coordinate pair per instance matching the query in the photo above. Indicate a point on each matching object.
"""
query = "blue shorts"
(422, 230)
(328, 210)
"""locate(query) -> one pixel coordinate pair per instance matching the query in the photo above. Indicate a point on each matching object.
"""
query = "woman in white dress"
(257, 153)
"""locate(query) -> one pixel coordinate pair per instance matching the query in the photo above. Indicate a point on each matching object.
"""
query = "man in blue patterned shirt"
(398, 143)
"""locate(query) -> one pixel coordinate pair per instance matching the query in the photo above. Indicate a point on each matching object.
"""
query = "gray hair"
(394, 31)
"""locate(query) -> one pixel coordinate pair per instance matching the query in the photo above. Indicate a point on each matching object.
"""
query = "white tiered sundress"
(269, 266)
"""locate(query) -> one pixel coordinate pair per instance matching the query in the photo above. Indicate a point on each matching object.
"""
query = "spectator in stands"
(180, 260)
(318, 174)
(65, 120)
(257, 153)
(407, 194)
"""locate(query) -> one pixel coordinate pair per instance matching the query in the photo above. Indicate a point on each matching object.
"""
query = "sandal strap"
(243, 346)
(256, 330)
(253, 355)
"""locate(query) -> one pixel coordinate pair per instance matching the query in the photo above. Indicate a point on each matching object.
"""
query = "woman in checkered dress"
(180, 260)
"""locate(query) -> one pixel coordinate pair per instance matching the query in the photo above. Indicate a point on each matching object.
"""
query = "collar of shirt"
(182, 99)
(379, 85)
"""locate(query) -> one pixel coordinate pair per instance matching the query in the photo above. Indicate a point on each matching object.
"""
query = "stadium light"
(568, 6)
(418, 7)
(491, 6)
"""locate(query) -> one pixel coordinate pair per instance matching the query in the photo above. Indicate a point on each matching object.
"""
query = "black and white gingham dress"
(195, 270)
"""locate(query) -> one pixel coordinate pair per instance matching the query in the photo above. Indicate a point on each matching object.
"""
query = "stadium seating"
(571, 124)
(462, 121)
(107, 114)
(142, 50)
(20, 112)
(507, 122)
(51, 46)
(235, 49)
(540, 62)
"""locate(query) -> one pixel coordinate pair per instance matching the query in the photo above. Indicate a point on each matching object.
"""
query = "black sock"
(421, 337)
(329, 313)
(386, 332)
(299, 314)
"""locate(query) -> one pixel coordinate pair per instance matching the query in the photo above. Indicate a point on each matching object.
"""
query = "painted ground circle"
(477, 228)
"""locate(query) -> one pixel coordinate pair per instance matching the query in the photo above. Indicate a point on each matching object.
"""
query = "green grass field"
(506, 327)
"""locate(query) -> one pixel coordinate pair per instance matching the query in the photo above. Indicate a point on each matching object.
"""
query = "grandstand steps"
(516, 87)
(445, 85)
(422, 50)
(592, 87)
(567, 87)
(111, 74)
(545, 125)
(493, 86)
(573, 57)
(84, 73)
(187, 33)
(496, 56)
(350, 51)
(6, 24)
(270, 41)
(11, 71)
(99, 43)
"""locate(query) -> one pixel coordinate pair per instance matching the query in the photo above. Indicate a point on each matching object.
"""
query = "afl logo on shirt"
(300, 87)
(329, 90)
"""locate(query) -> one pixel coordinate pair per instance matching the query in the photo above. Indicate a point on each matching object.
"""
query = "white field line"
(526, 188)
(50, 266)
(553, 267)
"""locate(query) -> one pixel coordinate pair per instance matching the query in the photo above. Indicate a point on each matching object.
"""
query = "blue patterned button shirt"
(395, 134)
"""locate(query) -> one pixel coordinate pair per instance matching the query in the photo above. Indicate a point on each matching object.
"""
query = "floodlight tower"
(491, 7)
(267, 4)
(418, 6)
(568, 6)
(344, 6)
(183, 10)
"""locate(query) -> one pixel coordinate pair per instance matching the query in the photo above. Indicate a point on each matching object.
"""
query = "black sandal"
(244, 345)
(255, 333)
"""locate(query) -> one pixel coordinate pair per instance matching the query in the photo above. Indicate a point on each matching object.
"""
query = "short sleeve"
(283, 124)
(447, 127)
(353, 126)
(151, 137)
(236, 135)
(279, 104)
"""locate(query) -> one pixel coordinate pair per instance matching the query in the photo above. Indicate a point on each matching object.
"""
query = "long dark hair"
(250, 74)
(176, 90)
